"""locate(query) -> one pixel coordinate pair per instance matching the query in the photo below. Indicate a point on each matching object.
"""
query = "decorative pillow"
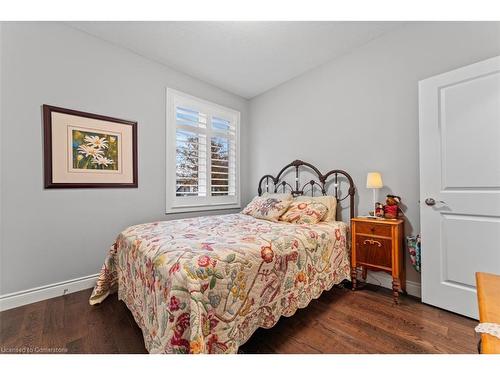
(267, 208)
(305, 212)
(328, 200)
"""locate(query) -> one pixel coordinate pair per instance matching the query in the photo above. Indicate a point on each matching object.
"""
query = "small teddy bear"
(391, 208)
(379, 210)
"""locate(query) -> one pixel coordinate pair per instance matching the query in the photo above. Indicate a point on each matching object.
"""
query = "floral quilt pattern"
(301, 212)
(204, 285)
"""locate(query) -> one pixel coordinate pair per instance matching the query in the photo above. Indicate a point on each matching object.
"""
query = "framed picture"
(85, 150)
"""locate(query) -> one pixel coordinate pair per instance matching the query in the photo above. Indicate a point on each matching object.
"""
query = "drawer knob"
(371, 242)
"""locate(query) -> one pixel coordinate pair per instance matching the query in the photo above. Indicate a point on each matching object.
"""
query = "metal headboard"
(321, 181)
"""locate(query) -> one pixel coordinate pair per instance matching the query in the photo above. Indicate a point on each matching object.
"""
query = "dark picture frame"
(49, 155)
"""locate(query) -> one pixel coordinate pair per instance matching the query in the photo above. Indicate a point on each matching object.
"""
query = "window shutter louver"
(223, 156)
(191, 151)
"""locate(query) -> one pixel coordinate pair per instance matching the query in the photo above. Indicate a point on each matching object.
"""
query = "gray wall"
(50, 236)
(360, 112)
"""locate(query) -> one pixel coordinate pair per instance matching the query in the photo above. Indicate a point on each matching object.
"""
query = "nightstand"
(377, 244)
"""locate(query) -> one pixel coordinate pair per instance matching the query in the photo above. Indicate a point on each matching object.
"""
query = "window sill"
(202, 208)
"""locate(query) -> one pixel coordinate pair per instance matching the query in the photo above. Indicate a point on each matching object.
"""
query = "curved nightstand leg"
(396, 286)
(353, 277)
(365, 270)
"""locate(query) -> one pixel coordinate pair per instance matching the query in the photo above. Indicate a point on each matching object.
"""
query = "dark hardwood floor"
(340, 321)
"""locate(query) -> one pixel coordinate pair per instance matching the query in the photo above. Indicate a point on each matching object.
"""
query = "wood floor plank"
(340, 321)
(76, 310)
(11, 322)
(412, 328)
(31, 335)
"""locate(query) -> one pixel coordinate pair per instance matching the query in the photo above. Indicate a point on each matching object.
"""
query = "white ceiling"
(245, 58)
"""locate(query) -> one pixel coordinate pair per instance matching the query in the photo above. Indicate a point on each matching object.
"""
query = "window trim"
(188, 204)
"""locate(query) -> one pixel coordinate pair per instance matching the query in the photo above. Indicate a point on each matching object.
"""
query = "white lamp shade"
(374, 180)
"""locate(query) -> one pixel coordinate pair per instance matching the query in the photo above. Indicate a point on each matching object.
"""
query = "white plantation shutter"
(202, 154)
(191, 152)
(222, 158)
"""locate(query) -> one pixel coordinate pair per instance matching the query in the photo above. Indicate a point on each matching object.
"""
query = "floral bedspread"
(204, 285)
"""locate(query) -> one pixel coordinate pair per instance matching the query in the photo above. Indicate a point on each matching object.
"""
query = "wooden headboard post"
(322, 181)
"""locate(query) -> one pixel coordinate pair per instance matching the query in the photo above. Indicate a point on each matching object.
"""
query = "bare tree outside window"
(187, 167)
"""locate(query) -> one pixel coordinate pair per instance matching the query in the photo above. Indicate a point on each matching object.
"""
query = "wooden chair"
(488, 297)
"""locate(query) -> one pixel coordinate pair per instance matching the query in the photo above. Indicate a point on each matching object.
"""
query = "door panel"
(460, 169)
(469, 118)
(474, 248)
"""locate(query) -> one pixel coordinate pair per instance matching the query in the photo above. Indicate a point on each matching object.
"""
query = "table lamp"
(374, 181)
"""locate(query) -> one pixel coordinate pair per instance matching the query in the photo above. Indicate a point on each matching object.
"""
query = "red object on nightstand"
(391, 211)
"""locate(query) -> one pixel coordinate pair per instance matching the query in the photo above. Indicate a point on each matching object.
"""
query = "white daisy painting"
(87, 150)
(94, 150)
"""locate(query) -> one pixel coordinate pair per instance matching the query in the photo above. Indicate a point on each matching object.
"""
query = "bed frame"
(320, 182)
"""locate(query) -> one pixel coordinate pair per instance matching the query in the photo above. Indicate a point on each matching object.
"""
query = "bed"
(205, 284)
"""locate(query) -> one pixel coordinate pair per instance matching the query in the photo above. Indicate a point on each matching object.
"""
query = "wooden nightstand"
(377, 244)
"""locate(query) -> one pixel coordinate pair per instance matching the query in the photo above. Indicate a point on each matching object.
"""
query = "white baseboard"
(25, 297)
(385, 280)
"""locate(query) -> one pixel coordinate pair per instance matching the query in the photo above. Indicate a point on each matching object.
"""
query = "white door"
(459, 183)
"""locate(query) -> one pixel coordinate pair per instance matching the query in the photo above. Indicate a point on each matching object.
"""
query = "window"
(202, 154)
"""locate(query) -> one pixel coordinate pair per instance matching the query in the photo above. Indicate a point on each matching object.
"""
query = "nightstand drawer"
(373, 229)
(374, 251)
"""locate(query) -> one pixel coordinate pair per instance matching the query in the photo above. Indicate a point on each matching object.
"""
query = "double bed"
(205, 284)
